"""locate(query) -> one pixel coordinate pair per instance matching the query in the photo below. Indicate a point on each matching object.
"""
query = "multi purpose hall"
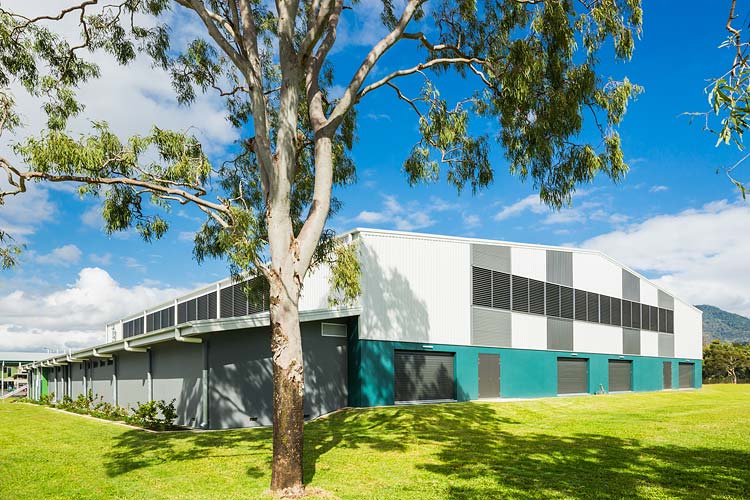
(439, 318)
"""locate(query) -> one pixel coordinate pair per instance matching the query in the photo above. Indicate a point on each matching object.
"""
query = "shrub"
(156, 415)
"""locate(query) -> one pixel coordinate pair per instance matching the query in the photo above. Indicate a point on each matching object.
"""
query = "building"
(13, 381)
(439, 319)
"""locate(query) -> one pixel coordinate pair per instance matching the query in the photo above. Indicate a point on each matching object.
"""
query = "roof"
(22, 356)
(461, 239)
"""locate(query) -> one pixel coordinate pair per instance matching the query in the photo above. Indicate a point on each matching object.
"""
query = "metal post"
(149, 380)
(85, 378)
(114, 380)
(2, 381)
(204, 387)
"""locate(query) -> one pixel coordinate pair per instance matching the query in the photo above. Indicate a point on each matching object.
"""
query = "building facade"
(439, 319)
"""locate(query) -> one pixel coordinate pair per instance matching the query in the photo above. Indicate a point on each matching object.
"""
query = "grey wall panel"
(631, 341)
(631, 286)
(560, 267)
(490, 327)
(131, 379)
(101, 381)
(241, 376)
(666, 345)
(666, 301)
(559, 334)
(495, 257)
(76, 377)
(177, 375)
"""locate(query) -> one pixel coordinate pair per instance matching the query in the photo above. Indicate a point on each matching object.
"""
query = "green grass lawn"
(693, 444)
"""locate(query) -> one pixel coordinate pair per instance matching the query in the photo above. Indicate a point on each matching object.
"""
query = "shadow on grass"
(479, 454)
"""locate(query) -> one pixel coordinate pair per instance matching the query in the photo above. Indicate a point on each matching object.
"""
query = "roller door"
(489, 375)
(667, 374)
(423, 376)
(686, 376)
(620, 375)
(572, 375)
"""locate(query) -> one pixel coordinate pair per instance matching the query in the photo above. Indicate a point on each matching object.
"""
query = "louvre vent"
(239, 300)
(160, 319)
(670, 321)
(212, 305)
(520, 294)
(580, 300)
(592, 307)
(536, 297)
(553, 300)
(604, 309)
(182, 313)
(626, 310)
(654, 319)
(226, 302)
(566, 302)
(636, 316)
(481, 280)
(645, 317)
(202, 307)
(192, 308)
(133, 327)
(199, 308)
(500, 290)
(616, 312)
(663, 320)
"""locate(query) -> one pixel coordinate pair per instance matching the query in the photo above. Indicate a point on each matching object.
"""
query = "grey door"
(620, 375)
(667, 374)
(423, 376)
(489, 375)
(572, 375)
(686, 375)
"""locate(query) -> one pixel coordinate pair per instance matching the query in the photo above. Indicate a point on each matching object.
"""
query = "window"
(654, 318)
(645, 316)
(592, 306)
(566, 302)
(626, 310)
(635, 315)
(580, 303)
(500, 290)
(616, 312)
(333, 330)
(536, 296)
(604, 309)
(663, 320)
(481, 280)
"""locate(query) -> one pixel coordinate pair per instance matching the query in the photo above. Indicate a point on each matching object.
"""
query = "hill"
(719, 324)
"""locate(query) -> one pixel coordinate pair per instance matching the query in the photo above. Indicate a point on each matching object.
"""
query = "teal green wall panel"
(523, 373)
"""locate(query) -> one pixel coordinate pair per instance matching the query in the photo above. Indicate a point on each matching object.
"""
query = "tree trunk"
(288, 385)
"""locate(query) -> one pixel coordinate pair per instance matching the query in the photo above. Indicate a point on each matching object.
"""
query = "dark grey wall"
(177, 375)
(101, 381)
(132, 385)
(241, 382)
(76, 377)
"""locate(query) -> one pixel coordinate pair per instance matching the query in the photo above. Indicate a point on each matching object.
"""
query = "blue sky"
(673, 218)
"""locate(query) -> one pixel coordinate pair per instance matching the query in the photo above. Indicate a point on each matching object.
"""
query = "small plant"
(156, 415)
(168, 413)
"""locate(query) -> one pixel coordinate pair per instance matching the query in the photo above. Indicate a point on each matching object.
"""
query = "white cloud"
(134, 263)
(530, 203)
(700, 254)
(658, 189)
(103, 260)
(471, 221)
(92, 217)
(61, 256)
(186, 236)
(21, 215)
(74, 316)
(414, 215)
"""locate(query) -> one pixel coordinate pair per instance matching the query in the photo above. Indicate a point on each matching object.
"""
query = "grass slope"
(719, 324)
(651, 445)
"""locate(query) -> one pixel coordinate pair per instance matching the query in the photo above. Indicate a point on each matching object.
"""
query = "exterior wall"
(649, 294)
(241, 376)
(177, 370)
(528, 331)
(415, 289)
(101, 381)
(76, 377)
(523, 373)
(591, 337)
(529, 262)
(649, 343)
(688, 331)
(594, 273)
(132, 382)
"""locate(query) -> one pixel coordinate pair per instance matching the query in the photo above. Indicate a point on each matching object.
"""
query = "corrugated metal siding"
(666, 301)
(559, 334)
(666, 345)
(494, 257)
(490, 327)
(631, 286)
(560, 267)
(631, 341)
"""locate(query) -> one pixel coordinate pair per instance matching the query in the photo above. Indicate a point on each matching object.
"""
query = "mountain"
(719, 324)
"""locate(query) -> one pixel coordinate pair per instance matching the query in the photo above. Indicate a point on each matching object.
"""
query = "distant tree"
(528, 66)
(725, 359)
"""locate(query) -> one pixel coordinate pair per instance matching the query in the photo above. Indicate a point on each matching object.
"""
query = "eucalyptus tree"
(529, 68)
